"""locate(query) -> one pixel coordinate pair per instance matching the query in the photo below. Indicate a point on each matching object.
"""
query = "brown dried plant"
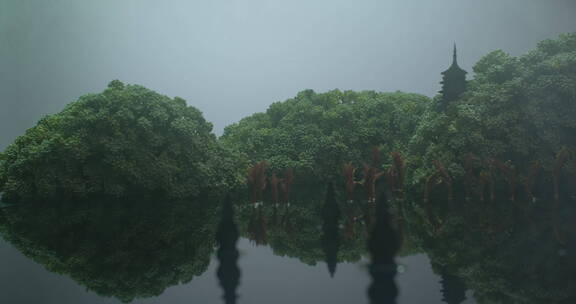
(509, 175)
(257, 180)
(397, 173)
(286, 184)
(561, 159)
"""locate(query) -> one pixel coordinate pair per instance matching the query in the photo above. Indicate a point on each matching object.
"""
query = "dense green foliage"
(127, 249)
(519, 109)
(315, 134)
(126, 140)
(129, 140)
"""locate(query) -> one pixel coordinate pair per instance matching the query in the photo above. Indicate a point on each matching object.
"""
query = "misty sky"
(231, 58)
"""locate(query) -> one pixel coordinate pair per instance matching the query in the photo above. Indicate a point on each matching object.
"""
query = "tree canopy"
(127, 140)
(517, 109)
(315, 134)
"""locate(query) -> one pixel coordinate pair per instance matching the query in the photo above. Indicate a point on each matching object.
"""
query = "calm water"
(320, 248)
(266, 278)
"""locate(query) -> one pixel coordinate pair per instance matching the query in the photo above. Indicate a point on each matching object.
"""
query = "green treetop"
(127, 140)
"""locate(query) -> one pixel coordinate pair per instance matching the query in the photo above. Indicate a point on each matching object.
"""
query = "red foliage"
(369, 182)
(485, 179)
(444, 177)
(257, 180)
(509, 174)
(396, 175)
(286, 184)
(561, 160)
(348, 172)
(371, 175)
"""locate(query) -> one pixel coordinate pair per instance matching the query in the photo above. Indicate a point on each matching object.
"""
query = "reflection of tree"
(125, 249)
(297, 230)
(330, 229)
(513, 249)
(258, 227)
(227, 236)
(383, 246)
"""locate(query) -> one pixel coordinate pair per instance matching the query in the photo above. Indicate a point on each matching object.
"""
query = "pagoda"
(453, 82)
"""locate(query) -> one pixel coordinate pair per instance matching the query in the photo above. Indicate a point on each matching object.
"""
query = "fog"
(233, 58)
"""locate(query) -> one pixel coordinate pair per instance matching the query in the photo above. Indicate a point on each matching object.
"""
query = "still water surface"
(266, 278)
(313, 250)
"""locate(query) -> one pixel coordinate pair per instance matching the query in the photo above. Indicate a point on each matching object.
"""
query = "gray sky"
(231, 58)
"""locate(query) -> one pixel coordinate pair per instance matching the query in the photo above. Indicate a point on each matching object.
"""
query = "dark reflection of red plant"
(531, 179)
(258, 227)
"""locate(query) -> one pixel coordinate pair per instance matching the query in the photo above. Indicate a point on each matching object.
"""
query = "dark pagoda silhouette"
(453, 82)
(227, 236)
(453, 289)
(330, 229)
(383, 245)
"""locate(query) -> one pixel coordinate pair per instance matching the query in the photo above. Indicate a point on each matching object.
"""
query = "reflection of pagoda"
(453, 82)
(383, 245)
(453, 289)
(228, 271)
(331, 235)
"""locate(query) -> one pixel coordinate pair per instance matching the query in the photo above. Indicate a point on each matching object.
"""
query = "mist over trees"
(129, 140)
(481, 175)
(517, 110)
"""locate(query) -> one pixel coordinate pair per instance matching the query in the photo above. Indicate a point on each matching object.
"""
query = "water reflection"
(126, 249)
(383, 245)
(500, 250)
(506, 242)
(310, 228)
(258, 226)
(453, 288)
(227, 237)
(331, 230)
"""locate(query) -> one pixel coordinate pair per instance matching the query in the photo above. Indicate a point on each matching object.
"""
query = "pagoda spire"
(454, 56)
(453, 82)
